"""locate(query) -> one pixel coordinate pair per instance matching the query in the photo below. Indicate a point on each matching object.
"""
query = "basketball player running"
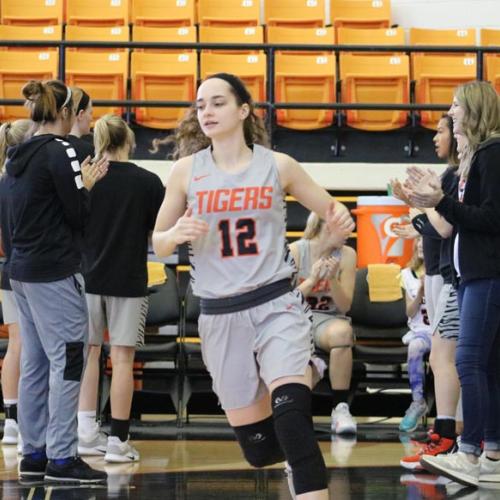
(256, 339)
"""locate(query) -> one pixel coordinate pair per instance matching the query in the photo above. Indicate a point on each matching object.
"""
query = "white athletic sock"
(445, 417)
(9, 402)
(87, 422)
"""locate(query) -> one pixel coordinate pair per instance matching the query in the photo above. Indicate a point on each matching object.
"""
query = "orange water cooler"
(377, 243)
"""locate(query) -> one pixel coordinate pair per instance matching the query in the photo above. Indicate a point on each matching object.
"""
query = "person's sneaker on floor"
(490, 470)
(455, 466)
(73, 470)
(10, 431)
(33, 465)
(341, 447)
(413, 414)
(19, 444)
(120, 451)
(93, 444)
(342, 420)
(436, 446)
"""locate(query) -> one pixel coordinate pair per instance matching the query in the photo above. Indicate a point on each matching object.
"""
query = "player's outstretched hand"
(189, 228)
(339, 220)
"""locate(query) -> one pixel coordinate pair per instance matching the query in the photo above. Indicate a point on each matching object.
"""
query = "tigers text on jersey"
(245, 247)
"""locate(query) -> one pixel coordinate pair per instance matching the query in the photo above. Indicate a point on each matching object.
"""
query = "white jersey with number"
(420, 322)
(245, 247)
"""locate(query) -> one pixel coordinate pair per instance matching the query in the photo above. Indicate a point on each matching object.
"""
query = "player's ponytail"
(12, 134)
(313, 226)
(111, 133)
(46, 99)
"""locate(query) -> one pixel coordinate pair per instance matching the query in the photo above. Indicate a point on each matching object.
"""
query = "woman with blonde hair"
(225, 198)
(326, 276)
(476, 216)
(10, 135)
(123, 209)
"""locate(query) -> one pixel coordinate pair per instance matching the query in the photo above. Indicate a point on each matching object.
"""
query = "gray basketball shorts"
(321, 321)
(9, 308)
(246, 350)
(124, 317)
(446, 315)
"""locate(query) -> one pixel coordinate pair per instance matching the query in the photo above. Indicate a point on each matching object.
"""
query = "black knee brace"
(294, 428)
(259, 443)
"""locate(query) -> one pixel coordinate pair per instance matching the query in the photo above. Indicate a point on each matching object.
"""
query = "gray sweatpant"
(53, 323)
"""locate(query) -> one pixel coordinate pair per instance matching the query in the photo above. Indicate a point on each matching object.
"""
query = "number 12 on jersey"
(244, 234)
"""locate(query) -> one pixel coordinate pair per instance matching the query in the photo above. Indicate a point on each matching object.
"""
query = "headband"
(68, 98)
(236, 84)
(84, 102)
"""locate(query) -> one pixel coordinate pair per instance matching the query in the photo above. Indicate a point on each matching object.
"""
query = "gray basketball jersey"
(245, 247)
(319, 298)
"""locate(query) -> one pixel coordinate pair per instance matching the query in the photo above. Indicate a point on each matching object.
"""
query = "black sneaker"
(32, 468)
(75, 470)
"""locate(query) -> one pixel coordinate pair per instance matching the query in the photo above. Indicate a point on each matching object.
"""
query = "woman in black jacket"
(476, 256)
(47, 209)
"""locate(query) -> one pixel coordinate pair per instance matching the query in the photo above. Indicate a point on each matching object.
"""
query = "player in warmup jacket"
(225, 196)
(47, 209)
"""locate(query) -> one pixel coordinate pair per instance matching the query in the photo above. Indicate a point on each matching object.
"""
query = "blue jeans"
(478, 363)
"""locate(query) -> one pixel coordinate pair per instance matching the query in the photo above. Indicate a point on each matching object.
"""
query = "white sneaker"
(490, 471)
(342, 420)
(93, 444)
(120, 451)
(19, 444)
(10, 431)
(455, 466)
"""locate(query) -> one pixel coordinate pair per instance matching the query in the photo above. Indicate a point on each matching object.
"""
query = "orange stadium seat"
(367, 36)
(237, 34)
(97, 12)
(491, 37)
(163, 13)
(162, 77)
(360, 13)
(97, 34)
(435, 80)
(251, 68)
(493, 71)
(229, 12)
(375, 79)
(312, 36)
(424, 36)
(295, 13)
(32, 12)
(183, 34)
(103, 75)
(12, 32)
(16, 68)
(304, 78)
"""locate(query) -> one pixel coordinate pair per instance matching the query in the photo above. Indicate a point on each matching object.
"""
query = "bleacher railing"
(270, 50)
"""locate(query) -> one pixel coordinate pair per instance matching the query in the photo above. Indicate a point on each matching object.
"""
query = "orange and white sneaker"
(436, 446)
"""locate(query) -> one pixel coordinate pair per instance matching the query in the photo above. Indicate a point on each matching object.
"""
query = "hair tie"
(68, 98)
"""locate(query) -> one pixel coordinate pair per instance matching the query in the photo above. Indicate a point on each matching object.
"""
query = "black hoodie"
(477, 218)
(44, 207)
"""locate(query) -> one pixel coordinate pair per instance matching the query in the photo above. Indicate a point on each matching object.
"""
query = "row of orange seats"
(305, 13)
(298, 78)
(252, 35)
